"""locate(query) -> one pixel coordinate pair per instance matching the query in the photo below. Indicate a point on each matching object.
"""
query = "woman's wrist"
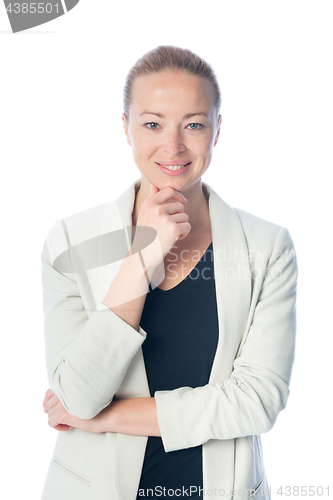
(82, 424)
(96, 424)
(136, 416)
(105, 421)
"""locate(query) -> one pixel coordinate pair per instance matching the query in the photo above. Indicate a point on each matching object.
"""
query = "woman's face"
(172, 122)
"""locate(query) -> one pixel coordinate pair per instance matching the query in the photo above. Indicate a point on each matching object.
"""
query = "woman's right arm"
(170, 223)
(87, 358)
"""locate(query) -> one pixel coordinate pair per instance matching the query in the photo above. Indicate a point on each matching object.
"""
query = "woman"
(166, 393)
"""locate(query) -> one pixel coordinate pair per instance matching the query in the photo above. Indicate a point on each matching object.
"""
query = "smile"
(175, 167)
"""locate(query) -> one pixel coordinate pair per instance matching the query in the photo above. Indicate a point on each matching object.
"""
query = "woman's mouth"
(174, 169)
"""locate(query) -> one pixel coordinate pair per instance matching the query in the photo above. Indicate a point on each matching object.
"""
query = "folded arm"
(88, 357)
(246, 403)
(249, 401)
(135, 416)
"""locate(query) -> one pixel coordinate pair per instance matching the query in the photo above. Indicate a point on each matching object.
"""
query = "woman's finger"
(52, 402)
(49, 393)
(168, 193)
(58, 427)
(51, 412)
(57, 416)
(174, 208)
(180, 217)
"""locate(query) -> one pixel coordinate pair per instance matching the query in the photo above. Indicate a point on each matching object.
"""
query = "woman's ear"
(218, 130)
(125, 123)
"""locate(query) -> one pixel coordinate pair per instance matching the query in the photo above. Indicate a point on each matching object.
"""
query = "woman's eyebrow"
(162, 116)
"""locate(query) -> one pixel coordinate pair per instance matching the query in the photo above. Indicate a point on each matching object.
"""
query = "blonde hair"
(170, 57)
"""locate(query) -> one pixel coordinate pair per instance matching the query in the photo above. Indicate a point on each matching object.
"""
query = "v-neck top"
(182, 336)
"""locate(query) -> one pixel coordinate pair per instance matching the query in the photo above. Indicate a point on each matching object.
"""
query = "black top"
(182, 336)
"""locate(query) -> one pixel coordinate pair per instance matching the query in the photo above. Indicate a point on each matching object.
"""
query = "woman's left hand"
(59, 418)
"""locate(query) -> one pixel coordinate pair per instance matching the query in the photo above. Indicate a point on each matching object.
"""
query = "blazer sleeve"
(258, 388)
(86, 358)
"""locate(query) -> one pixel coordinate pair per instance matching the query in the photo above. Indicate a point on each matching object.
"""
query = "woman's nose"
(174, 143)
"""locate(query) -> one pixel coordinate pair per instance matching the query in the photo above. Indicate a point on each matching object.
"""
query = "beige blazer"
(92, 355)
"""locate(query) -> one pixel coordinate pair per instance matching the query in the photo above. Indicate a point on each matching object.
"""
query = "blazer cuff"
(94, 364)
(180, 410)
(103, 307)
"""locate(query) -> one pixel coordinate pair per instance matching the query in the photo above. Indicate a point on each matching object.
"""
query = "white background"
(63, 150)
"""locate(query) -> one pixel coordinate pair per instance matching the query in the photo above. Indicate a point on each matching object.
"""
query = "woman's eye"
(152, 125)
(195, 126)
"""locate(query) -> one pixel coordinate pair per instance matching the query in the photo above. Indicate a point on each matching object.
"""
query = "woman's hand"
(166, 217)
(61, 420)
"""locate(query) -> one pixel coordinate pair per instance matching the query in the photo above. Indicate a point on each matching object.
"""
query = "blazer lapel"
(233, 293)
(232, 282)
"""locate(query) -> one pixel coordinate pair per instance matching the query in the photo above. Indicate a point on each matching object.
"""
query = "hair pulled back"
(170, 57)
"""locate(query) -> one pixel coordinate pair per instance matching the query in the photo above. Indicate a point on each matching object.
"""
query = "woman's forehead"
(172, 88)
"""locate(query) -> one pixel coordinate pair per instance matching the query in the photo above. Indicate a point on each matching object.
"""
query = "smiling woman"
(165, 370)
(173, 150)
